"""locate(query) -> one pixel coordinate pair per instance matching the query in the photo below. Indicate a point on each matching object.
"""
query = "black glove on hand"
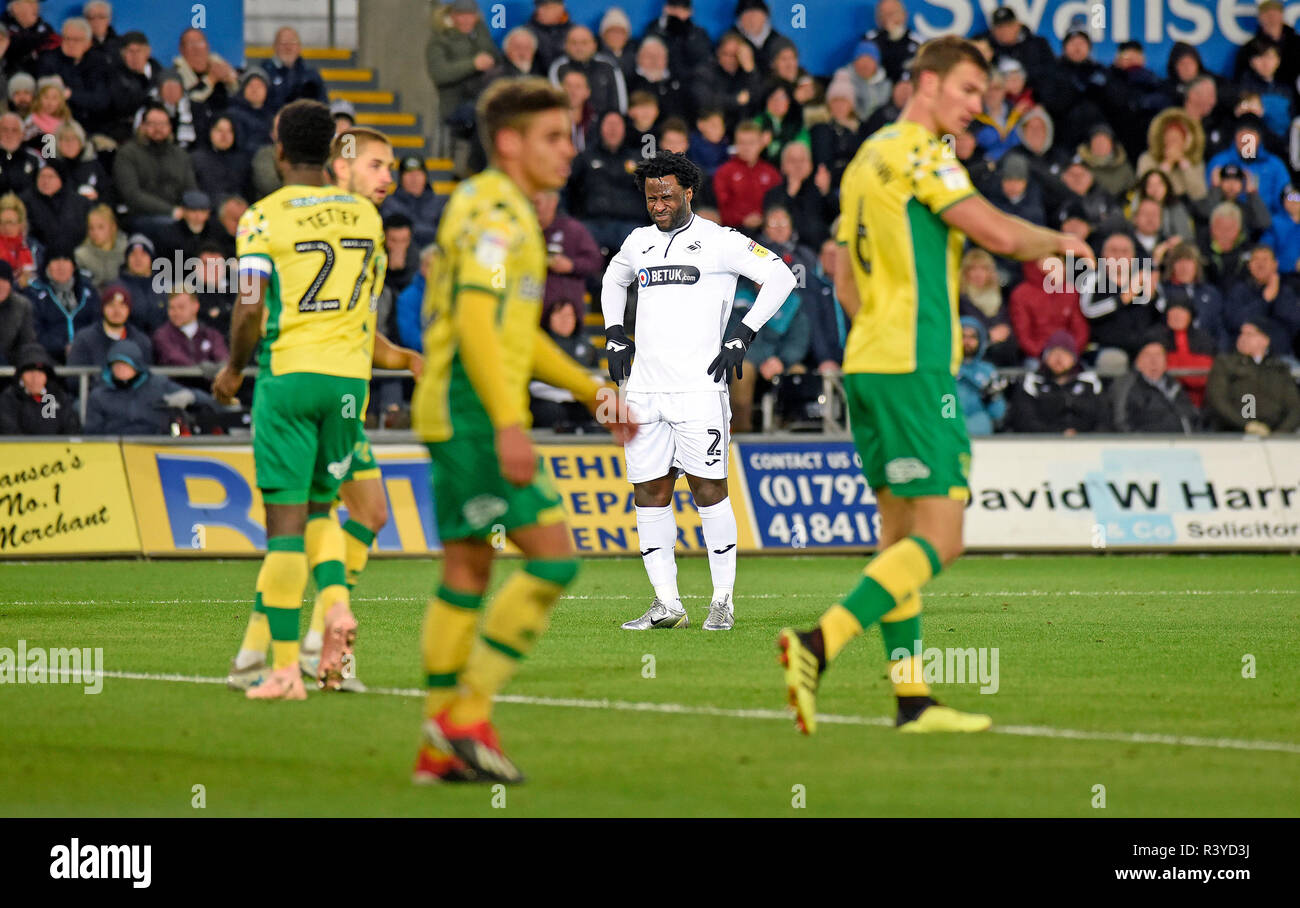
(732, 354)
(619, 349)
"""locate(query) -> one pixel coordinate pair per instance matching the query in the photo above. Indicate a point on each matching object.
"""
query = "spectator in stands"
(149, 306)
(642, 117)
(615, 34)
(17, 327)
(402, 266)
(84, 72)
(754, 24)
(519, 56)
(1249, 154)
(1075, 89)
(1224, 247)
(1183, 68)
(49, 112)
(981, 298)
(1147, 226)
(805, 194)
(250, 112)
(107, 42)
(731, 82)
(550, 25)
(897, 44)
(1176, 149)
(780, 237)
(1016, 195)
(600, 193)
(103, 253)
(1124, 306)
(1037, 134)
(1232, 184)
(1039, 311)
(217, 289)
(1185, 346)
(572, 257)
(229, 211)
(1271, 29)
(1137, 95)
(459, 54)
(604, 77)
(1260, 297)
(182, 340)
(55, 213)
(779, 349)
(1060, 397)
(18, 163)
(1175, 215)
(581, 114)
(866, 78)
(90, 345)
(21, 91)
(836, 141)
(131, 400)
(780, 124)
(1009, 38)
(410, 304)
(1201, 104)
(709, 146)
(1149, 399)
(36, 402)
(152, 172)
(1250, 390)
(1184, 283)
(552, 407)
(290, 76)
(1277, 97)
(901, 94)
(1283, 235)
(189, 118)
(190, 231)
(995, 126)
(29, 35)
(63, 302)
(79, 166)
(205, 76)
(1107, 161)
(979, 388)
(135, 76)
(827, 322)
(415, 198)
(221, 168)
(741, 184)
(688, 44)
(14, 245)
(265, 176)
(651, 74)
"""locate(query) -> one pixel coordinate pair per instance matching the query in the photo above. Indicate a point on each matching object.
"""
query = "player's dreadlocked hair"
(670, 164)
(306, 130)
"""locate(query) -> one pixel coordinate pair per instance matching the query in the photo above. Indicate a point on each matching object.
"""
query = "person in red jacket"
(1186, 347)
(1045, 302)
(741, 183)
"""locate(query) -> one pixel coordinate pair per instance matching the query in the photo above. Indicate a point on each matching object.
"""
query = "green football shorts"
(363, 464)
(910, 432)
(471, 498)
(306, 427)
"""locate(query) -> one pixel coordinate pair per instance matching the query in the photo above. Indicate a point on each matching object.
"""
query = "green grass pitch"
(1144, 655)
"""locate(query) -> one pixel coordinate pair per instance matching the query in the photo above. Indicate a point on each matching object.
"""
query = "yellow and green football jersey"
(322, 251)
(488, 240)
(905, 259)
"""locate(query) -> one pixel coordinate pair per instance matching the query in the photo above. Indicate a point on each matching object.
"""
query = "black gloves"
(619, 349)
(732, 354)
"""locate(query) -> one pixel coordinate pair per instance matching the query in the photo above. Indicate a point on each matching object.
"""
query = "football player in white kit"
(686, 270)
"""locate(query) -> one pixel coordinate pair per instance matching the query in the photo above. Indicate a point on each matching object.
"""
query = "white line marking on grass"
(680, 709)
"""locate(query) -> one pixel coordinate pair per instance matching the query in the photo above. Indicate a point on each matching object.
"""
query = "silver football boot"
(722, 615)
(660, 617)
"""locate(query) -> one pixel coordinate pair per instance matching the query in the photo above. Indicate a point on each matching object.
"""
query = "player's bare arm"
(1009, 236)
(389, 355)
(245, 329)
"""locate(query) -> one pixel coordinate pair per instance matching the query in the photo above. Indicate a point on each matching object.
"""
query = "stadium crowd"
(114, 165)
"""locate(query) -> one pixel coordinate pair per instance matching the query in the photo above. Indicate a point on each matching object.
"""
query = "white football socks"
(720, 536)
(657, 531)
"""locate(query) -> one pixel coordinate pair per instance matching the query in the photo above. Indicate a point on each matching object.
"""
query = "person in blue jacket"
(979, 387)
(1248, 152)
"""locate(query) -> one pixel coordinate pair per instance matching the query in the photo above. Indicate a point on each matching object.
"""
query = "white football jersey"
(686, 283)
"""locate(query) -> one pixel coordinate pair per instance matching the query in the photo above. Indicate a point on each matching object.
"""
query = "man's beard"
(683, 215)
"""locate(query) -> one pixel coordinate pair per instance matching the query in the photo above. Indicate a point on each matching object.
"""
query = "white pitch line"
(680, 709)
(974, 594)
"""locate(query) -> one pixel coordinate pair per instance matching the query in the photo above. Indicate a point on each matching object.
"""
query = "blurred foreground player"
(907, 205)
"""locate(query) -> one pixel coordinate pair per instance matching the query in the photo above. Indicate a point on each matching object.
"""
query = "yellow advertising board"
(64, 498)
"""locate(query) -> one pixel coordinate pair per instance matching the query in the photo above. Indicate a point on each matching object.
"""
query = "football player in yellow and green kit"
(310, 273)
(482, 344)
(907, 206)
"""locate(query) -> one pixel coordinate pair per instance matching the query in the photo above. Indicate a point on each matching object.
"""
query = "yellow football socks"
(280, 584)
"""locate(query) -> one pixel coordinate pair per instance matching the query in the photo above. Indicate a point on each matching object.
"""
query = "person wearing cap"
(90, 345)
(1283, 235)
(63, 302)
(979, 388)
(753, 22)
(84, 72)
(1010, 38)
(1237, 186)
(36, 402)
(131, 400)
(29, 34)
(21, 91)
(17, 327)
(1271, 27)
(615, 38)
(1107, 160)
(608, 88)
(897, 44)
(250, 112)
(134, 74)
(1148, 399)
(836, 141)
(415, 198)
(550, 25)
(1136, 96)
(152, 172)
(56, 213)
(1252, 372)
(1076, 89)
(458, 56)
(1248, 153)
(288, 74)
(688, 43)
(866, 78)
(1263, 297)
(1060, 397)
(191, 230)
(148, 305)
(1016, 194)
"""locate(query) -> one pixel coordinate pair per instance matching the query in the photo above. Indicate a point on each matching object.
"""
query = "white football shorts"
(681, 432)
